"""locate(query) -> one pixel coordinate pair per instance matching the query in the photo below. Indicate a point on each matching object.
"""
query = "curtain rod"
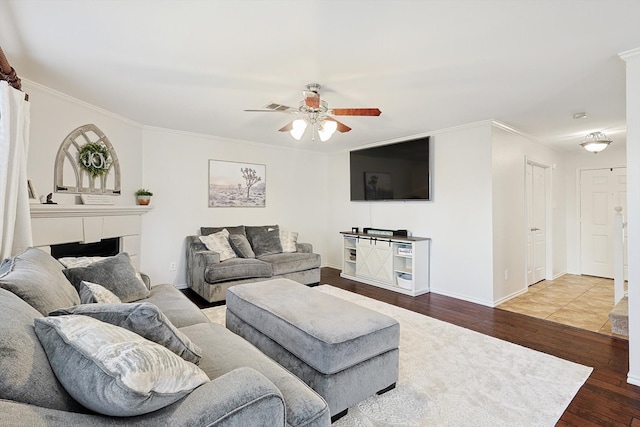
(8, 73)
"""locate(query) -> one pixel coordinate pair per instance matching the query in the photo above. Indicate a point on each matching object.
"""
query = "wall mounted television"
(397, 171)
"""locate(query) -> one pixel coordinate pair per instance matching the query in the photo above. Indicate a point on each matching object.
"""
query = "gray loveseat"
(259, 253)
(245, 388)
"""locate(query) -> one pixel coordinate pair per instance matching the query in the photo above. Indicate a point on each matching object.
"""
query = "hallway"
(580, 301)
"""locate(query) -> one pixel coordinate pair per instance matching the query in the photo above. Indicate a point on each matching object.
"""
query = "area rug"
(452, 376)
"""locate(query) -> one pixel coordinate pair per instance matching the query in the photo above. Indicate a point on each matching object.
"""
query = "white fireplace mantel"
(58, 224)
(66, 211)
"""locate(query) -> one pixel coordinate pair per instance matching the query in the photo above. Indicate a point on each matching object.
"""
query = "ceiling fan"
(316, 112)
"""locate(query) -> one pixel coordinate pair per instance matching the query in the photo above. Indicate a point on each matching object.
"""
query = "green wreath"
(95, 158)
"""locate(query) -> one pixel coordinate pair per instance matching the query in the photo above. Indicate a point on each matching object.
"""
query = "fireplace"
(105, 247)
(88, 230)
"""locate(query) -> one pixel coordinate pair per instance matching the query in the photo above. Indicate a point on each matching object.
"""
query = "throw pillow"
(25, 373)
(111, 370)
(93, 293)
(146, 320)
(37, 278)
(289, 240)
(219, 242)
(241, 246)
(264, 240)
(82, 261)
(114, 273)
(238, 229)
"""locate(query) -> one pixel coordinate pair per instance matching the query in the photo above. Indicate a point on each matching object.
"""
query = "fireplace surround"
(53, 225)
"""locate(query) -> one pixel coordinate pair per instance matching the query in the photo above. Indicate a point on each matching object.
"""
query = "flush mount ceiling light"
(595, 142)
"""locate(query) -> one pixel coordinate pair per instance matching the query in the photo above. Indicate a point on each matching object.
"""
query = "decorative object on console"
(233, 184)
(93, 160)
(33, 194)
(143, 196)
(49, 200)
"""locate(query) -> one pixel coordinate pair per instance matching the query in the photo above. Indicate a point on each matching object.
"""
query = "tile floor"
(580, 301)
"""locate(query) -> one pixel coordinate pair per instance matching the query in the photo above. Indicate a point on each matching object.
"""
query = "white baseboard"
(181, 286)
(462, 297)
(632, 379)
(508, 297)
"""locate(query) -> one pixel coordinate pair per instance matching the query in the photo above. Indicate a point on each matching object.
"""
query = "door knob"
(535, 229)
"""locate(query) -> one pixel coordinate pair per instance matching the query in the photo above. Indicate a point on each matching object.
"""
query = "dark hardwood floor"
(604, 400)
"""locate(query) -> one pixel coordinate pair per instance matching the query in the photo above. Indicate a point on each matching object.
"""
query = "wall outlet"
(172, 266)
(506, 275)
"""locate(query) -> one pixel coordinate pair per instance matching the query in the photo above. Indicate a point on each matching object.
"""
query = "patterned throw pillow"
(288, 240)
(111, 370)
(93, 293)
(219, 242)
(144, 319)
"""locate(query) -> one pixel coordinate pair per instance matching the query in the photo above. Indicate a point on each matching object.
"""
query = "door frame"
(548, 213)
(579, 209)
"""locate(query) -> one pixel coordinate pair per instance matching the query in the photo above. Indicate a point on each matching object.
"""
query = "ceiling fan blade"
(286, 128)
(311, 99)
(356, 111)
(341, 126)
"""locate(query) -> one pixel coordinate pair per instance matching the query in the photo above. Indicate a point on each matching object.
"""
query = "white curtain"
(15, 218)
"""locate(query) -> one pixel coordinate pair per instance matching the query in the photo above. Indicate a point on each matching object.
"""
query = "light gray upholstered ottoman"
(345, 352)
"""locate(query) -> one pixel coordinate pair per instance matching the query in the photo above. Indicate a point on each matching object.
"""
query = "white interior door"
(536, 223)
(600, 191)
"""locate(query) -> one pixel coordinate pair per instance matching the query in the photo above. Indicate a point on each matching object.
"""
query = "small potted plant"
(143, 196)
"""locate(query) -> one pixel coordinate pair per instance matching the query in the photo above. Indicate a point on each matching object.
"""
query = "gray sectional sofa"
(259, 253)
(38, 381)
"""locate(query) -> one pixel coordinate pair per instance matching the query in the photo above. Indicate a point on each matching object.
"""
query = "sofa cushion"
(219, 242)
(241, 246)
(264, 240)
(144, 319)
(37, 278)
(228, 351)
(25, 373)
(237, 268)
(288, 240)
(93, 293)
(175, 305)
(114, 273)
(237, 229)
(111, 370)
(291, 262)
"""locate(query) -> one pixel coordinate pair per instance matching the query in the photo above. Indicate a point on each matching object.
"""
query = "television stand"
(400, 264)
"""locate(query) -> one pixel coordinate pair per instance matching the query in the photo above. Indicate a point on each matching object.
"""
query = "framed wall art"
(234, 184)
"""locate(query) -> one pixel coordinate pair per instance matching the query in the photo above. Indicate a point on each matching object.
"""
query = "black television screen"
(398, 171)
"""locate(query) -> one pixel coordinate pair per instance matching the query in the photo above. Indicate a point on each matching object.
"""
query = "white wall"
(53, 116)
(632, 59)
(510, 152)
(458, 219)
(576, 160)
(176, 171)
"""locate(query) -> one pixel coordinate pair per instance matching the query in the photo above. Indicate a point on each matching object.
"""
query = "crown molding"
(630, 54)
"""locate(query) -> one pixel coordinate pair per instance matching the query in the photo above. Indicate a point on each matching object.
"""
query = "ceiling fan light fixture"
(327, 129)
(298, 128)
(595, 142)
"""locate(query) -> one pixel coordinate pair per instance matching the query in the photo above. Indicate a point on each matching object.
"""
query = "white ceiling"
(196, 65)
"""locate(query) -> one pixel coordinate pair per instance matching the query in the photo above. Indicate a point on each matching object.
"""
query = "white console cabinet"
(400, 264)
